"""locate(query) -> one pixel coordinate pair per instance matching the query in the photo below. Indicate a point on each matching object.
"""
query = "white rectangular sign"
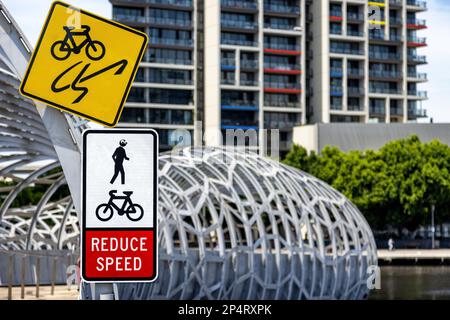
(119, 194)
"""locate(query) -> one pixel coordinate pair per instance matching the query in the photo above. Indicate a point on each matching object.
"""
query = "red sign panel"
(119, 254)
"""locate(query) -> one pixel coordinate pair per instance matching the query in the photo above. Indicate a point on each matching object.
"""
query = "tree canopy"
(395, 185)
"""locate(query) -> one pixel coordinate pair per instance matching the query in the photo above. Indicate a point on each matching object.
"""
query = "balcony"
(280, 26)
(171, 42)
(396, 111)
(384, 90)
(422, 5)
(385, 74)
(175, 81)
(384, 55)
(336, 15)
(352, 33)
(282, 87)
(228, 63)
(418, 76)
(355, 108)
(377, 110)
(336, 31)
(395, 20)
(282, 46)
(396, 3)
(130, 19)
(336, 106)
(344, 50)
(377, 36)
(336, 72)
(239, 124)
(236, 24)
(170, 22)
(279, 8)
(175, 3)
(239, 4)
(281, 104)
(417, 59)
(355, 16)
(417, 42)
(417, 112)
(228, 82)
(239, 42)
(243, 105)
(282, 68)
(416, 24)
(355, 72)
(167, 60)
(249, 83)
(280, 124)
(418, 94)
(336, 91)
(355, 91)
(249, 64)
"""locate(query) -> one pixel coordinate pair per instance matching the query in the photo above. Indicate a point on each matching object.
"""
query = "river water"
(413, 282)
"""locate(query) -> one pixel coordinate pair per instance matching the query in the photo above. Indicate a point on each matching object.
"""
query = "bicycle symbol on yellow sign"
(84, 68)
(61, 50)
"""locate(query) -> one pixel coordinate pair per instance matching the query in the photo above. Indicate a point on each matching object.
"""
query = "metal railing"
(281, 8)
(242, 4)
(248, 25)
(172, 42)
(26, 267)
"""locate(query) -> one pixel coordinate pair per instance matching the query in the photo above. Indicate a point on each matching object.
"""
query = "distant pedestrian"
(391, 244)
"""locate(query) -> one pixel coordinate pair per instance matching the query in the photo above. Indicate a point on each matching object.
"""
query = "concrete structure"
(273, 64)
(357, 136)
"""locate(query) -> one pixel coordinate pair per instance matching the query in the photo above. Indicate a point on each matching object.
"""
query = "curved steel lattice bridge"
(232, 225)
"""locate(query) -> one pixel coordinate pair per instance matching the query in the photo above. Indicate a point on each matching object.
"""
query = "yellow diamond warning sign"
(84, 64)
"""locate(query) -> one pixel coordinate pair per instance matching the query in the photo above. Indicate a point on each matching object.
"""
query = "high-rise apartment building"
(263, 64)
(365, 64)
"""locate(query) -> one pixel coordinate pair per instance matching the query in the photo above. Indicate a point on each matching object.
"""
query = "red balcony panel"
(417, 44)
(281, 71)
(416, 26)
(283, 52)
(336, 18)
(278, 90)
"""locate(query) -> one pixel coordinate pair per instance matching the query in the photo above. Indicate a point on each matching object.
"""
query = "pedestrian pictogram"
(119, 213)
(81, 65)
(118, 156)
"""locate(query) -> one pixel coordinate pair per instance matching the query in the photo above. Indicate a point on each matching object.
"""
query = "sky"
(30, 14)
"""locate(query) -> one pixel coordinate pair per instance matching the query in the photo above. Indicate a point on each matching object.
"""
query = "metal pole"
(10, 275)
(38, 275)
(432, 226)
(22, 279)
(52, 292)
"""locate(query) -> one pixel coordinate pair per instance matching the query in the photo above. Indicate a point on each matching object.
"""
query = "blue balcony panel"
(239, 127)
(240, 108)
(224, 67)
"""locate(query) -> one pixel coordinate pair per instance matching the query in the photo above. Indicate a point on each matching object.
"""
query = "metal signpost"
(119, 205)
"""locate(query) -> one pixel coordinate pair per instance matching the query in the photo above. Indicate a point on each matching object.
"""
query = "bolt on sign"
(119, 205)
(84, 64)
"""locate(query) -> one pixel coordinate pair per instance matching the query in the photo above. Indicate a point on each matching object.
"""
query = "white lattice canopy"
(235, 225)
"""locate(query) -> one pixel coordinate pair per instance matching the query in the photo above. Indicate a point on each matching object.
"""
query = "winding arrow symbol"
(120, 65)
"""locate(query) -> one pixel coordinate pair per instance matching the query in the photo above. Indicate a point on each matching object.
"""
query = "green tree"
(395, 185)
